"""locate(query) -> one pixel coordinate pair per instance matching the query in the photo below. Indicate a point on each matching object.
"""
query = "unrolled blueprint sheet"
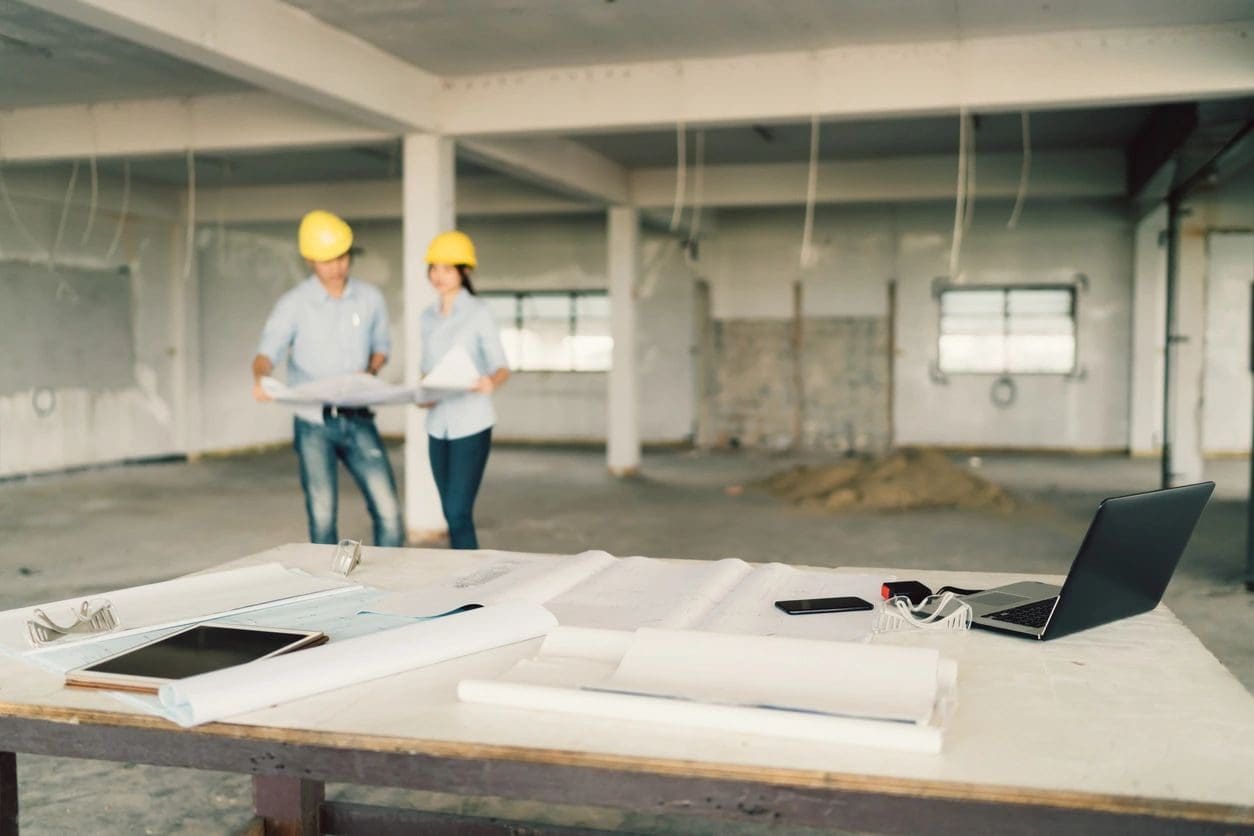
(338, 614)
(509, 577)
(143, 609)
(454, 374)
(595, 589)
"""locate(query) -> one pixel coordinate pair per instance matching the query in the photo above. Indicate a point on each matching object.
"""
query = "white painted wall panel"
(1227, 392)
(1053, 243)
(90, 423)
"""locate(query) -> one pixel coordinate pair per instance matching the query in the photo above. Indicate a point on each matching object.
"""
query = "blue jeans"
(457, 465)
(354, 440)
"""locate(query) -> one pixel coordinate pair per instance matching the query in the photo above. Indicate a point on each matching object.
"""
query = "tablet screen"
(200, 649)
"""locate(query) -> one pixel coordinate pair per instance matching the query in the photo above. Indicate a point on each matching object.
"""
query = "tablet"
(202, 648)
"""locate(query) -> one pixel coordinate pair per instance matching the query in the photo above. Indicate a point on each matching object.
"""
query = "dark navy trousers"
(457, 465)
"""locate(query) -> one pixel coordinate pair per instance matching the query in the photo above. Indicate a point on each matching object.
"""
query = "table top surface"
(1138, 709)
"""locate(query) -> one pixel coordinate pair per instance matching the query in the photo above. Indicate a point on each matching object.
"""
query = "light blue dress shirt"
(470, 326)
(322, 336)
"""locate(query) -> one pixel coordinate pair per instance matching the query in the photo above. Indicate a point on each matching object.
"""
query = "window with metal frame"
(1008, 329)
(554, 331)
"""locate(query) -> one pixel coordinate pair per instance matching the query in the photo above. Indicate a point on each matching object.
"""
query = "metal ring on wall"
(1003, 392)
(44, 401)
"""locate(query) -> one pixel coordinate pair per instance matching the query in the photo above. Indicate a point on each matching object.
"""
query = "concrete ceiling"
(360, 162)
(454, 37)
(1050, 130)
(48, 60)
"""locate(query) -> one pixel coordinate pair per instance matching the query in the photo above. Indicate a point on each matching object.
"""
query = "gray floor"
(86, 532)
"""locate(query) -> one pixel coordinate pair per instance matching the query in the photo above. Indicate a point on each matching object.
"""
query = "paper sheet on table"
(256, 685)
(636, 592)
(886, 696)
(750, 606)
(337, 614)
(508, 578)
(176, 602)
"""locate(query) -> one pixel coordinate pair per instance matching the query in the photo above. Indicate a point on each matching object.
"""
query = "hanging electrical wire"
(681, 173)
(955, 247)
(65, 213)
(812, 185)
(189, 246)
(1024, 170)
(126, 202)
(95, 179)
(91, 207)
(698, 189)
(968, 211)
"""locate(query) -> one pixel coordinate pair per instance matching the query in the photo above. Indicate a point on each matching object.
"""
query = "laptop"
(1122, 569)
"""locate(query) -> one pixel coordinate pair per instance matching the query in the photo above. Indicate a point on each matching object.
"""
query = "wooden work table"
(1130, 727)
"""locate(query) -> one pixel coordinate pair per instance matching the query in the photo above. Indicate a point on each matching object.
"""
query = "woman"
(459, 427)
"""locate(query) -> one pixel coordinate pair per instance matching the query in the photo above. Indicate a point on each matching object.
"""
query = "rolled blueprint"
(734, 719)
(213, 696)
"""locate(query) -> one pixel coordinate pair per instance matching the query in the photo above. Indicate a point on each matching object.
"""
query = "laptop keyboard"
(1034, 614)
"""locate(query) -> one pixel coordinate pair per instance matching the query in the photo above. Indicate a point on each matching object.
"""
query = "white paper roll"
(906, 737)
(212, 696)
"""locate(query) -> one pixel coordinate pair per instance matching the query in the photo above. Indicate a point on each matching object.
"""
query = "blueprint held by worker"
(454, 374)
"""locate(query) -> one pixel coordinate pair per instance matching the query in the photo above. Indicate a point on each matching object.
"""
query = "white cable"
(698, 187)
(190, 245)
(95, 179)
(126, 202)
(969, 209)
(65, 213)
(955, 247)
(681, 172)
(1024, 171)
(812, 187)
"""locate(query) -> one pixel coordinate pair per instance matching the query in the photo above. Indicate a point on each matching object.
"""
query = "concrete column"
(1188, 366)
(427, 209)
(1145, 415)
(623, 412)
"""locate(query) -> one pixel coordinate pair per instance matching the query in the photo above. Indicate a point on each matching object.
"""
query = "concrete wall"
(753, 265)
(1054, 243)
(100, 373)
(245, 269)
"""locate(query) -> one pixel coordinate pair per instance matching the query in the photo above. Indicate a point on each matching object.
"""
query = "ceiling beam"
(1034, 72)
(276, 47)
(1054, 174)
(153, 127)
(558, 164)
(374, 200)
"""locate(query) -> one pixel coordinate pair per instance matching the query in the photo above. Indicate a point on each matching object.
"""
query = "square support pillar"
(427, 210)
(623, 408)
(1184, 388)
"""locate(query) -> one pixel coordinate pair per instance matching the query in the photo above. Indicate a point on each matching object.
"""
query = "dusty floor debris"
(906, 479)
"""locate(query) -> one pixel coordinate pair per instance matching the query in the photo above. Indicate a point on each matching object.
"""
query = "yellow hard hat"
(323, 236)
(452, 247)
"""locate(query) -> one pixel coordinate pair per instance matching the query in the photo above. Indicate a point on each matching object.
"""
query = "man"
(330, 325)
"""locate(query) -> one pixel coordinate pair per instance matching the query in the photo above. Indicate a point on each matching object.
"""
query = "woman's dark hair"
(463, 270)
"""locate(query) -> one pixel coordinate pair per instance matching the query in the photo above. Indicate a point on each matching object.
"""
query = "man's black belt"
(329, 412)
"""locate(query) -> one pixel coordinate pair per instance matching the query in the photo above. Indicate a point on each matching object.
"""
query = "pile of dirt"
(906, 479)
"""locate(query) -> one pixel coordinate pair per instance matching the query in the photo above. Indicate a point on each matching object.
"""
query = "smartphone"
(806, 606)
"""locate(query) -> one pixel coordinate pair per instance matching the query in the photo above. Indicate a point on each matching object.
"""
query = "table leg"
(8, 794)
(288, 805)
